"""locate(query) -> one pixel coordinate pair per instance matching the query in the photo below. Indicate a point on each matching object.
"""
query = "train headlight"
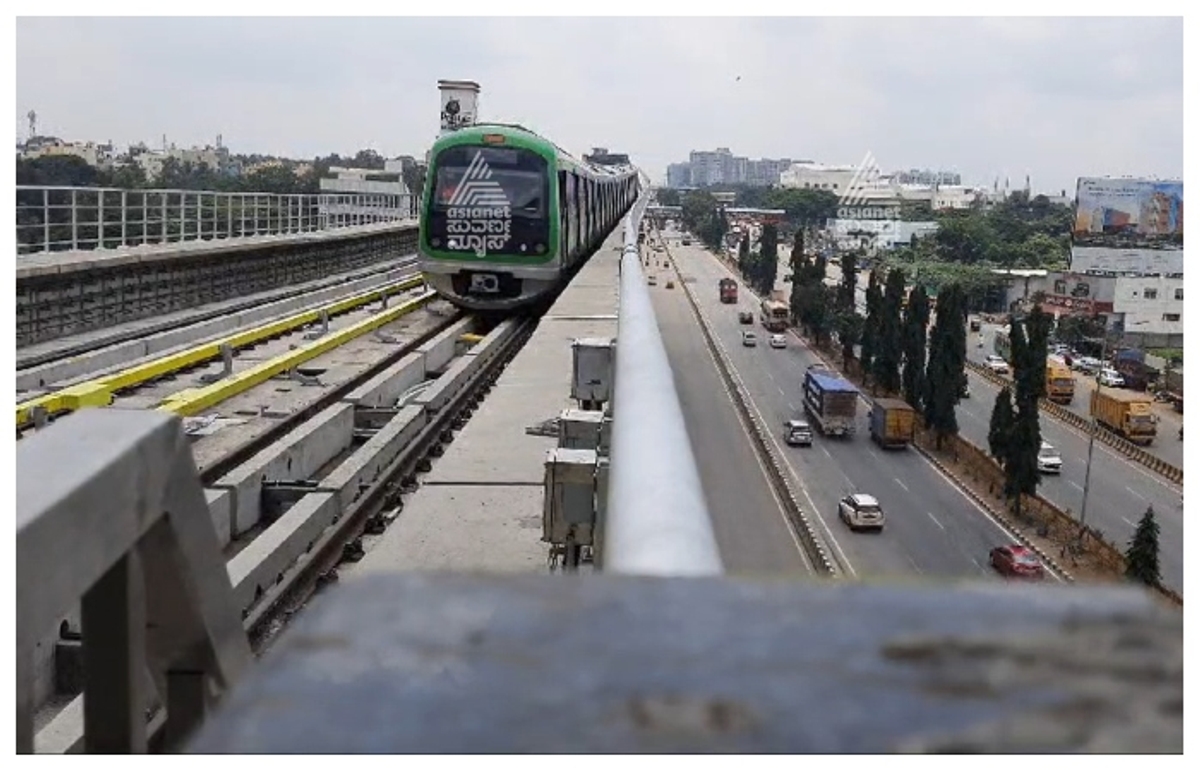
(435, 241)
(540, 248)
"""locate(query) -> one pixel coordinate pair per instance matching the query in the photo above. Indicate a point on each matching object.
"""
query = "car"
(745, 317)
(861, 512)
(1087, 364)
(797, 433)
(1016, 561)
(1110, 378)
(1048, 460)
(996, 364)
(778, 341)
(749, 339)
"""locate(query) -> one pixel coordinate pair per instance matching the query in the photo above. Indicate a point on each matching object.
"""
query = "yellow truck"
(892, 422)
(1127, 413)
(1060, 383)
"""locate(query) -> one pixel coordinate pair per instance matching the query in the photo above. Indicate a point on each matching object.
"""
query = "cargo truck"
(1060, 383)
(1127, 413)
(892, 422)
(831, 402)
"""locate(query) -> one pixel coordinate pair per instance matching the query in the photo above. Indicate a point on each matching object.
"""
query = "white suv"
(996, 364)
(1110, 378)
(778, 341)
(1049, 461)
(861, 511)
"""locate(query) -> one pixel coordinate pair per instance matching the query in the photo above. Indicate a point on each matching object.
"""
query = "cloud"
(1057, 98)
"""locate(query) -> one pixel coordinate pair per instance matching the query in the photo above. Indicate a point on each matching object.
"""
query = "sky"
(987, 97)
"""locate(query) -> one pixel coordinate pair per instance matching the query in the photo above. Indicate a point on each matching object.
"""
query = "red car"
(1016, 561)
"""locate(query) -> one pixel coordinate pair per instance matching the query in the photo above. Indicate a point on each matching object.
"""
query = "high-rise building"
(708, 168)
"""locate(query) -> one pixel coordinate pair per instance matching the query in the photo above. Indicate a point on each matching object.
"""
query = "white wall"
(1145, 315)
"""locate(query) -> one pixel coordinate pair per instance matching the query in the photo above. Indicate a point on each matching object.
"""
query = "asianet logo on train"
(479, 217)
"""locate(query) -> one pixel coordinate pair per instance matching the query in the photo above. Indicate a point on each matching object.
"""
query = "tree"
(769, 249)
(1020, 468)
(1141, 558)
(849, 283)
(800, 267)
(947, 357)
(744, 256)
(886, 364)
(874, 303)
(1001, 426)
(849, 328)
(913, 336)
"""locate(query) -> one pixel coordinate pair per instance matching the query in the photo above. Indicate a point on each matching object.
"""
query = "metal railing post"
(657, 520)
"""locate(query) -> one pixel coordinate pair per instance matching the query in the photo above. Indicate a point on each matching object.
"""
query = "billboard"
(1128, 226)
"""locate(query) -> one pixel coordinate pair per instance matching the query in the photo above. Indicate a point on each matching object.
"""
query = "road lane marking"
(1135, 492)
(935, 520)
(1075, 484)
(1128, 522)
(902, 484)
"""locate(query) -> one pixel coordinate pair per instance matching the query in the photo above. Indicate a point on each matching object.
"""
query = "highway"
(751, 532)
(1119, 489)
(1166, 445)
(932, 528)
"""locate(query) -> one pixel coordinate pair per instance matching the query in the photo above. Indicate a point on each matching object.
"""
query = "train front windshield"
(489, 200)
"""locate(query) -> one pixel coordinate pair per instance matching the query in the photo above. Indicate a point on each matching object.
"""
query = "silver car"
(861, 512)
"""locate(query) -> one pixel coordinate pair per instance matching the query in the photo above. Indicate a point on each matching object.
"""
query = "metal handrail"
(657, 520)
(57, 218)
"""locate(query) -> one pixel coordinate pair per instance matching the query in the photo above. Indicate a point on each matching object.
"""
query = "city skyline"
(257, 82)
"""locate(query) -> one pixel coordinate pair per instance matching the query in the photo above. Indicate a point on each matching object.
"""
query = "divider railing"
(53, 219)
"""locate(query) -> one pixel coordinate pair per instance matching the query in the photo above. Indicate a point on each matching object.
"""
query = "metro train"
(507, 216)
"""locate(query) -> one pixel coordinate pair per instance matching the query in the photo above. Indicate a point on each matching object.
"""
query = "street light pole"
(1087, 474)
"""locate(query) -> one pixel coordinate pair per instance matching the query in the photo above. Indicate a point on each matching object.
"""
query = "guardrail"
(657, 521)
(53, 219)
(1125, 447)
(125, 527)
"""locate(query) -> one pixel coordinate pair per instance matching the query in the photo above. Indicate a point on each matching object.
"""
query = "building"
(807, 175)
(709, 168)
(364, 195)
(679, 175)
(875, 235)
(1144, 311)
(926, 178)
(99, 155)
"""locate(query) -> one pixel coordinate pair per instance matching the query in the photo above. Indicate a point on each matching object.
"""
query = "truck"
(830, 401)
(1172, 382)
(1129, 414)
(1060, 383)
(728, 289)
(892, 422)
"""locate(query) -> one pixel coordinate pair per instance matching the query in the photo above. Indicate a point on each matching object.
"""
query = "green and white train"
(507, 216)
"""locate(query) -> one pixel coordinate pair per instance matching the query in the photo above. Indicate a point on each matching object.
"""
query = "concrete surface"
(480, 507)
(426, 663)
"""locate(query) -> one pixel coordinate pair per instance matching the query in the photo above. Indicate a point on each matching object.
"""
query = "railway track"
(312, 519)
(305, 334)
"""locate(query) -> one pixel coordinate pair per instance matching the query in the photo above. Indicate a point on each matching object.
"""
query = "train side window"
(576, 219)
(563, 208)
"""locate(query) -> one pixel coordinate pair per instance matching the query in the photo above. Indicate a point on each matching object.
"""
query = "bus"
(729, 290)
(774, 315)
(1002, 345)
